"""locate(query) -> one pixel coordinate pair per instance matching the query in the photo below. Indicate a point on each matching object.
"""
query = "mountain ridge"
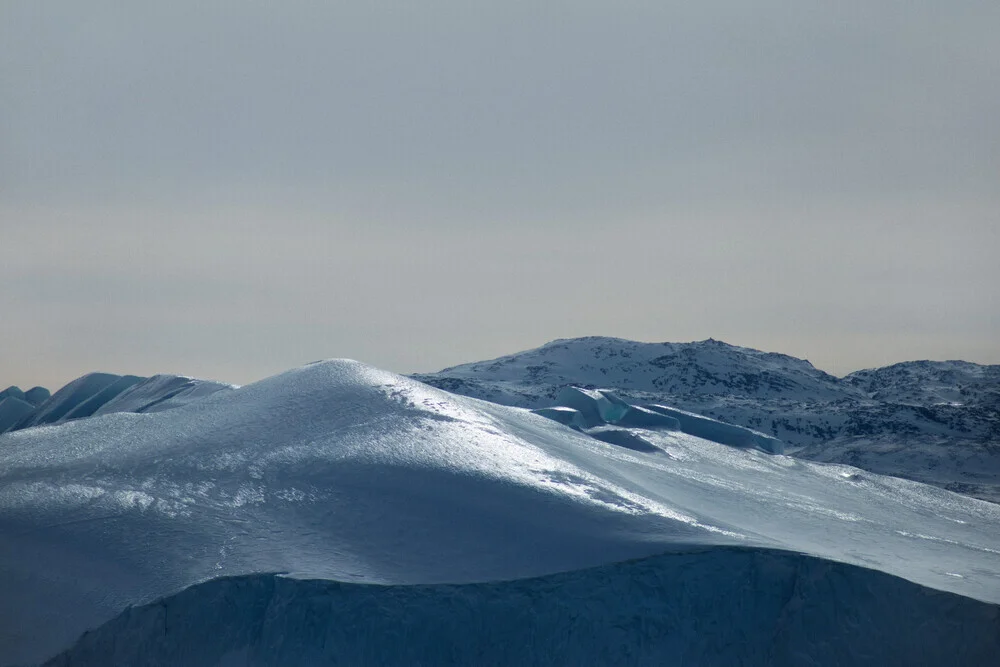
(932, 421)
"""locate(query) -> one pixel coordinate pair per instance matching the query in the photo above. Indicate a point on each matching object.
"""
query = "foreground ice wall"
(722, 606)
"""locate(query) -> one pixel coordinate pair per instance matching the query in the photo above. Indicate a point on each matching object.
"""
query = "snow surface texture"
(724, 606)
(343, 472)
(936, 422)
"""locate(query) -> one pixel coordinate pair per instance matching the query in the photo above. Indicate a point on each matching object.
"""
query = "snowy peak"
(708, 367)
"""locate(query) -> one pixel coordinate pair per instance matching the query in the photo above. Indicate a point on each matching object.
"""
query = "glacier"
(338, 475)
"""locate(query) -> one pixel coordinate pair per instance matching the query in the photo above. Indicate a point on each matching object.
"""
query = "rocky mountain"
(930, 383)
(937, 422)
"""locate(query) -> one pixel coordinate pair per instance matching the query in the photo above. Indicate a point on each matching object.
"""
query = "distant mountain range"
(932, 421)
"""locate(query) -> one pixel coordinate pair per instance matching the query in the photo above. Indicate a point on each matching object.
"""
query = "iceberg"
(721, 432)
(13, 410)
(80, 398)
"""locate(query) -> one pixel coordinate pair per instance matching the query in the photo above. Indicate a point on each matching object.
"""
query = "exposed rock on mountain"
(937, 422)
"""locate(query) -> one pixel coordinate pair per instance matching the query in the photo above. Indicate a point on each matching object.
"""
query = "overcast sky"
(229, 189)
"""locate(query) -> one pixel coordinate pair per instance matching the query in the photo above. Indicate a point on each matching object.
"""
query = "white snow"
(344, 472)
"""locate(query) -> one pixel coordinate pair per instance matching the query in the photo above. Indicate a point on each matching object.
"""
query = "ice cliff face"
(937, 422)
(595, 411)
(98, 394)
(722, 606)
(342, 472)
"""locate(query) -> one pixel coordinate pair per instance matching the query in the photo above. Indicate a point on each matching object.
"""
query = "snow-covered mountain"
(928, 383)
(937, 422)
(337, 512)
(706, 368)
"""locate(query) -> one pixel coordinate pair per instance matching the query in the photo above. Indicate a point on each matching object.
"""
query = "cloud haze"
(227, 189)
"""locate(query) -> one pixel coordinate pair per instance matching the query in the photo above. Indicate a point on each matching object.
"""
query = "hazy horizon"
(226, 190)
(248, 379)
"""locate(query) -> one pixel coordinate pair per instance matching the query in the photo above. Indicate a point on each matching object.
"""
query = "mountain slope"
(722, 606)
(944, 413)
(931, 383)
(340, 471)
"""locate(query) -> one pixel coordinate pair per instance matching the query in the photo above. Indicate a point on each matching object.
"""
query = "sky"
(229, 189)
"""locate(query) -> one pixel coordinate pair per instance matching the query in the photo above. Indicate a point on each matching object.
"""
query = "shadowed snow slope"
(724, 606)
(341, 471)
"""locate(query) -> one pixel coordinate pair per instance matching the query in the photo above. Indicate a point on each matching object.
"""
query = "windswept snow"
(340, 471)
